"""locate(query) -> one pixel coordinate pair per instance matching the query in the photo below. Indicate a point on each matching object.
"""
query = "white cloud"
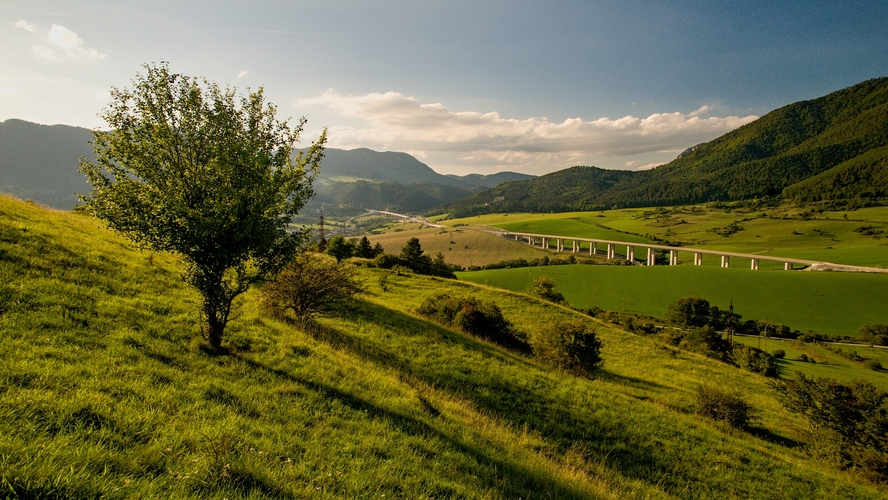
(45, 53)
(243, 74)
(62, 38)
(394, 121)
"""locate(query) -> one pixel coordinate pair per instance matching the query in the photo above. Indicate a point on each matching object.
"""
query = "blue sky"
(529, 86)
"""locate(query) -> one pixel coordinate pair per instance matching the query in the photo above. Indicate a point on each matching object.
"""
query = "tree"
(689, 312)
(310, 285)
(364, 250)
(413, 256)
(194, 169)
(340, 248)
(544, 288)
(571, 346)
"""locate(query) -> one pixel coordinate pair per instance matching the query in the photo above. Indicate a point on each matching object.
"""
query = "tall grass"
(106, 391)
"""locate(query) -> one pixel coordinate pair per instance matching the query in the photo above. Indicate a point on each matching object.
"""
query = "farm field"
(462, 246)
(106, 391)
(825, 302)
(828, 236)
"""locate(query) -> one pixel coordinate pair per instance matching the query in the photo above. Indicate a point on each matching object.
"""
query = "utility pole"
(731, 324)
(322, 241)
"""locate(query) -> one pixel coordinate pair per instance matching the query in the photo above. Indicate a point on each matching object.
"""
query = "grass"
(461, 246)
(105, 391)
(825, 302)
(828, 363)
(778, 231)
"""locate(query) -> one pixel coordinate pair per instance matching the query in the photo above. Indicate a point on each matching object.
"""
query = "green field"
(825, 302)
(777, 231)
(106, 390)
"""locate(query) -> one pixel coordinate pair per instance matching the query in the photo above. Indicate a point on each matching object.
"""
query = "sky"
(465, 86)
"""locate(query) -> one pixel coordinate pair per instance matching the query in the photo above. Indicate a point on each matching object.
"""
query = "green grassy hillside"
(104, 392)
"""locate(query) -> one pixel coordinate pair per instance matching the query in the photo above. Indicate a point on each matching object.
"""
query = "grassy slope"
(831, 303)
(104, 392)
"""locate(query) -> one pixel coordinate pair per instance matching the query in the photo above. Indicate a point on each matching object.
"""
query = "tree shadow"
(521, 479)
(527, 400)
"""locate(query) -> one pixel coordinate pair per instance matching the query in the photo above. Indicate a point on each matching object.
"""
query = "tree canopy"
(195, 169)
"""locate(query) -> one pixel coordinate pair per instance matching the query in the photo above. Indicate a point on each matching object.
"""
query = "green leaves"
(192, 168)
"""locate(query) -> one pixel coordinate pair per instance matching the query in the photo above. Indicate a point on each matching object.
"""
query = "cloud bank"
(393, 121)
(61, 38)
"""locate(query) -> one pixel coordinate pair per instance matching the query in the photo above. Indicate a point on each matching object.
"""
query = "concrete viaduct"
(544, 241)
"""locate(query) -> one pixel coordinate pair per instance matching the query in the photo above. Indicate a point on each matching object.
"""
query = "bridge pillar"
(787, 266)
(573, 246)
(754, 265)
(726, 261)
(698, 259)
(610, 251)
(673, 257)
(630, 253)
(593, 248)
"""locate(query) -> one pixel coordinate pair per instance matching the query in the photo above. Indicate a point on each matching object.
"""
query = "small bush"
(310, 285)
(724, 406)
(778, 354)
(874, 365)
(476, 317)
(544, 288)
(572, 347)
(754, 360)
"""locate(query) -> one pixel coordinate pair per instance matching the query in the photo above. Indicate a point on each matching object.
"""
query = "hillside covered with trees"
(822, 149)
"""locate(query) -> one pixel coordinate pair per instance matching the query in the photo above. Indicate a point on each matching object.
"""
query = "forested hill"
(833, 147)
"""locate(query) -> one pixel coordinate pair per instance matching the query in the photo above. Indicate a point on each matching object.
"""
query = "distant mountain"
(833, 147)
(39, 162)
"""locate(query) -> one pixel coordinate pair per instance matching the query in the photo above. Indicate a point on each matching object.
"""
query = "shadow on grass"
(525, 396)
(521, 480)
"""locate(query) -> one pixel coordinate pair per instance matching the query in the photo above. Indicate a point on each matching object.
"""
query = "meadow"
(106, 390)
(825, 302)
(779, 231)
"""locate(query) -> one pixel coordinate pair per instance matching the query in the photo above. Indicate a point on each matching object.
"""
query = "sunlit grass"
(105, 390)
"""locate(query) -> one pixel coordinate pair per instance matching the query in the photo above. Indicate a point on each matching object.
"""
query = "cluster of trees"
(341, 248)
(414, 258)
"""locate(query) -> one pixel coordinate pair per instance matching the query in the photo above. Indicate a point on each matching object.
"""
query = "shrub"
(754, 360)
(724, 406)
(544, 288)
(778, 354)
(310, 285)
(479, 318)
(386, 261)
(572, 347)
(874, 365)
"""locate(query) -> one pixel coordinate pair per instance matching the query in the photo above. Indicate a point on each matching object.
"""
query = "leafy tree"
(572, 347)
(191, 168)
(340, 248)
(311, 284)
(544, 288)
(689, 312)
(480, 318)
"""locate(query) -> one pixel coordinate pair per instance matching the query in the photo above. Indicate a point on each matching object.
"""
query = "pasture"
(825, 302)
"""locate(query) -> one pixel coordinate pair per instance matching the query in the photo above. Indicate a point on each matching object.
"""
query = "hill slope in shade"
(845, 130)
(39, 162)
(105, 392)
